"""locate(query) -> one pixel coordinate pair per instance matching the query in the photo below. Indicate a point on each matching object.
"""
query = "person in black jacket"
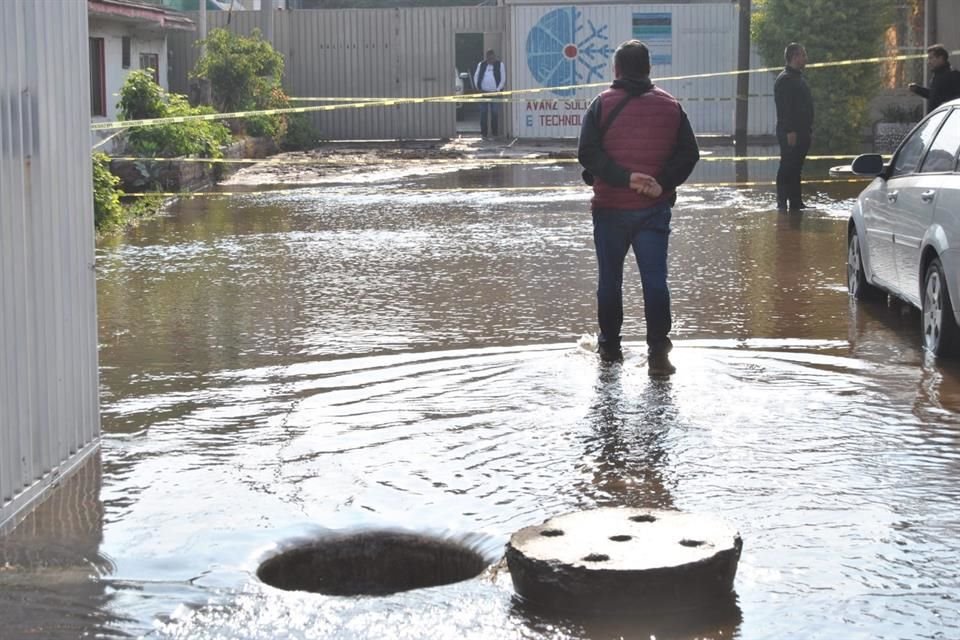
(794, 126)
(945, 82)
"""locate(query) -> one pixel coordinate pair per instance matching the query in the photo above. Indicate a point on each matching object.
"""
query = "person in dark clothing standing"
(794, 126)
(489, 77)
(944, 83)
(637, 144)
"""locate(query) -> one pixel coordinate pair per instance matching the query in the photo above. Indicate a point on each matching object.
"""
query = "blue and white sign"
(565, 49)
(656, 31)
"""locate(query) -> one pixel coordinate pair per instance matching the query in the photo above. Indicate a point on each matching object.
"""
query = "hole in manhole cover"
(692, 543)
(596, 557)
(643, 518)
(551, 533)
(371, 563)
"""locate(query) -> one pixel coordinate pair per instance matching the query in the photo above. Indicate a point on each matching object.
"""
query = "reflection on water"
(50, 563)
(399, 358)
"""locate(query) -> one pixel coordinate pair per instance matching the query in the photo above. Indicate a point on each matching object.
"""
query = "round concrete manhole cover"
(624, 558)
(372, 563)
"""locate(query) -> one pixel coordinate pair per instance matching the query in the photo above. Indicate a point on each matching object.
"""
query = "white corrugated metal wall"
(48, 337)
(366, 53)
(556, 45)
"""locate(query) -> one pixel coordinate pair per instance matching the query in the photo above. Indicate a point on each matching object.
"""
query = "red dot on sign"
(570, 51)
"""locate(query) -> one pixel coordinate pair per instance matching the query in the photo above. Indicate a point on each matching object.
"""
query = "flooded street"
(396, 352)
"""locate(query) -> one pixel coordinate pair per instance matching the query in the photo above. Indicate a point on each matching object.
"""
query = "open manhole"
(371, 563)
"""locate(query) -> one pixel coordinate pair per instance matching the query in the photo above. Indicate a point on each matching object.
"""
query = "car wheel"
(940, 331)
(857, 283)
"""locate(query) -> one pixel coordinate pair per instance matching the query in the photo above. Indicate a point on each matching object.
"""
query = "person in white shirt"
(490, 76)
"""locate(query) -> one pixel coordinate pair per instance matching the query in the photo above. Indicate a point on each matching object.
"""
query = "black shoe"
(658, 364)
(799, 207)
(610, 353)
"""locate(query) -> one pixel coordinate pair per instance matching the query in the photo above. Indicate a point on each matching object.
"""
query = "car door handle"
(892, 196)
(927, 196)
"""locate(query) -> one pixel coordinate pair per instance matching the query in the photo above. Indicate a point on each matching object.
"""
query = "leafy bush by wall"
(830, 30)
(107, 211)
(142, 98)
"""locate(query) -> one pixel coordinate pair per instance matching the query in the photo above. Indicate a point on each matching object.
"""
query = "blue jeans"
(647, 231)
(493, 108)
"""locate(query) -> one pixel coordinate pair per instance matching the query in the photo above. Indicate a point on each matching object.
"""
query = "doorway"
(468, 52)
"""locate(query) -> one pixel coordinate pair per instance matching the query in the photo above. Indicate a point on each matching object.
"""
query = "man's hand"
(645, 185)
(792, 139)
(913, 86)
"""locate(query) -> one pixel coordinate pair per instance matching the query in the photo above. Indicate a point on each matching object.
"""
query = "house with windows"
(126, 35)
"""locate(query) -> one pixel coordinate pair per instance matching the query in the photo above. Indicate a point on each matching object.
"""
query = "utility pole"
(743, 79)
(202, 26)
(743, 82)
(266, 20)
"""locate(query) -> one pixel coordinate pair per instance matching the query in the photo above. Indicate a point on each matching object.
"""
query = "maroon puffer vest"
(641, 139)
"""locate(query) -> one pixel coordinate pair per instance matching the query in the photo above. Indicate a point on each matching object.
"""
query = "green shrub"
(265, 126)
(301, 134)
(107, 211)
(244, 75)
(141, 97)
(829, 30)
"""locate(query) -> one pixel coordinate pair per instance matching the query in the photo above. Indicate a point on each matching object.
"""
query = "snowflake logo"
(562, 51)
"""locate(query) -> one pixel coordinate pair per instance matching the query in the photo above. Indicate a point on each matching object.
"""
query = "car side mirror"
(868, 164)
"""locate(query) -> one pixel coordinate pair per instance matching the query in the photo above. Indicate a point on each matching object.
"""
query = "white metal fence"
(48, 337)
(361, 53)
(410, 53)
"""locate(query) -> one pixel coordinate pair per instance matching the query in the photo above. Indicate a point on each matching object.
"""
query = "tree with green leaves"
(245, 74)
(830, 31)
(243, 71)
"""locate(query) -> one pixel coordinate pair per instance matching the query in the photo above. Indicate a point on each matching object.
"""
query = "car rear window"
(908, 158)
(943, 152)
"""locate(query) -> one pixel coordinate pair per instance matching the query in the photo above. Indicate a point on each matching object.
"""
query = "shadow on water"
(718, 620)
(51, 565)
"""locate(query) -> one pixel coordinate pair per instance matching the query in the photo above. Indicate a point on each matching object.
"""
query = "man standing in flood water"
(794, 126)
(637, 144)
(489, 77)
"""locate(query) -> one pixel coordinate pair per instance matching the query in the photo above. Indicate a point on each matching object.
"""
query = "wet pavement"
(389, 352)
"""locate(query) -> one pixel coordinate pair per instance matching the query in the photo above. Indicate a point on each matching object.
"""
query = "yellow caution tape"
(386, 102)
(701, 185)
(473, 160)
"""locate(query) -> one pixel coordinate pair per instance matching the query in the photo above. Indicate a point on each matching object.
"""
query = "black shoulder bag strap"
(613, 115)
(585, 174)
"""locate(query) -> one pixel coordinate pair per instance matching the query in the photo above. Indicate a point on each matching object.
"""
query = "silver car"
(903, 237)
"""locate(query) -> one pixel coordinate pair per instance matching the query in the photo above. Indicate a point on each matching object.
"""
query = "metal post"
(926, 41)
(743, 79)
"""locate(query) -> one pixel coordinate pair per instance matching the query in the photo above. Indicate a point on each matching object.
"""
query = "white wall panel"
(48, 372)
(557, 45)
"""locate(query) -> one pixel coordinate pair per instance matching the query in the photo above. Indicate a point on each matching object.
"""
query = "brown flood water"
(370, 355)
